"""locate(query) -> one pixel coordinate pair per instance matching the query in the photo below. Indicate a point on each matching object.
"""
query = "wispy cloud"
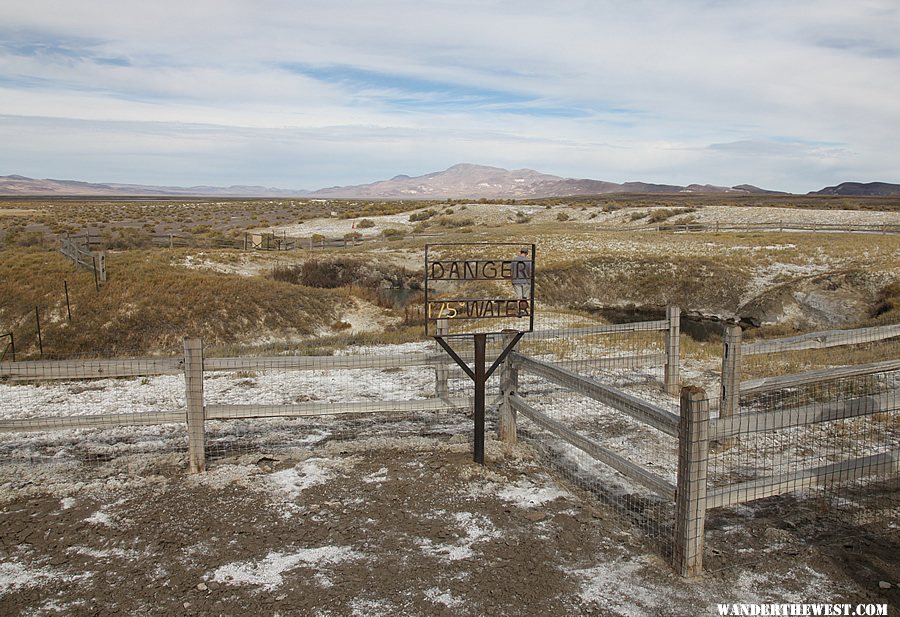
(329, 93)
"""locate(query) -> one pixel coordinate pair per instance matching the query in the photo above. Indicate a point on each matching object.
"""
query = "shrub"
(328, 274)
(662, 214)
(522, 218)
(393, 234)
(421, 216)
(25, 239)
(128, 238)
(454, 221)
(365, 224)
(562, 216)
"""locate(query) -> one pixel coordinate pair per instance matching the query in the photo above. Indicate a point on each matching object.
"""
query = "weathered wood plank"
(634, 472)
(729, 392)
(94, 421)
(638, 409)
(800, 379)
(637, 326)
(631, 361)
(822, 340)
(743, 424)
(885, 464)
(693, 463)
(306, 363)
(672, 376)
(234, 412)
(89, 369)
(196, 416)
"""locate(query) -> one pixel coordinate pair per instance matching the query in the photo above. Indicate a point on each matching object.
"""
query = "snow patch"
(446, 598)
(477, 528)
(15, 576)
(100, 518)
(615, 586)
(526, 494)
(268, 572)
(309, 473)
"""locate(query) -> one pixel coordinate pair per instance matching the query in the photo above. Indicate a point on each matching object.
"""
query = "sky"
(789, 95)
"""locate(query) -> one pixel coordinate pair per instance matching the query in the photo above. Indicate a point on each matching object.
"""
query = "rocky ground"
(382, 527)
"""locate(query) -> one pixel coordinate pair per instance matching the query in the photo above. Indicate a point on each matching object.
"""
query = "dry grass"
(790, 362)
(149, 304)
(577, 262)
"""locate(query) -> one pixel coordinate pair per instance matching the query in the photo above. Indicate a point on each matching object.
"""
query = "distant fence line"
(783, 226)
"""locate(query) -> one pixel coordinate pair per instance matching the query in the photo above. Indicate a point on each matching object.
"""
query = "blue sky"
(306, 94)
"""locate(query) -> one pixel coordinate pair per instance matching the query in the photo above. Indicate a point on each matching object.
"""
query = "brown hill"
(858, 189)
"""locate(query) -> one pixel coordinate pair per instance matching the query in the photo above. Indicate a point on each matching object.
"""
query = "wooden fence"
(77, 248)
(782, 226)
(734, 349)
(193, 356)
(695, 430)
(692, 427)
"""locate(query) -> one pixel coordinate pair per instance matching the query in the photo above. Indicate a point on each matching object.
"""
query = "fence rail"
(632, 471)
(768, 384)
(734, 349)
(638, 409)
(884, 464)
(301, 410)
(746, 423)
(42, 370)
(781, 226)
(78, 250)
(822, 340)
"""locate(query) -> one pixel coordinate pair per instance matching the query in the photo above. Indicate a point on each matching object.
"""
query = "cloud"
(654, 91)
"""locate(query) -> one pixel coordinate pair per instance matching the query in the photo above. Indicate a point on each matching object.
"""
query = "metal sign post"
(456, 272)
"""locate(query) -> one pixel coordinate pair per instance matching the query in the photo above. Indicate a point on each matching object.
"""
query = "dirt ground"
(382, 527)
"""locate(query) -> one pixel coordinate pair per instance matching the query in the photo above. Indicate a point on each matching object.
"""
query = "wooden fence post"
(507, 430)
(100, 264)
(193, 382)
(441, 371)
(673, 351)
(730, 396)
(690, 494)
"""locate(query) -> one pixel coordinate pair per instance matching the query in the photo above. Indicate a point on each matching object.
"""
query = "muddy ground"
(388, 527)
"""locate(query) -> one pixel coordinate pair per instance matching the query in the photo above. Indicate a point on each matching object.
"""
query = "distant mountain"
(464, 181)
(20, 185)
(867, 189)
(749, 188)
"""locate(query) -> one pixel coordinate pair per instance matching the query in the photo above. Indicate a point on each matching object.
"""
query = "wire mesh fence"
(650, 513)
(594, 442)
(762, 359)
(806, 463)
(628, 356)
(86, 410)
(372, 392)
(597, 404)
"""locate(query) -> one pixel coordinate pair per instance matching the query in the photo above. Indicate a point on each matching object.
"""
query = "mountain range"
(463, 181)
